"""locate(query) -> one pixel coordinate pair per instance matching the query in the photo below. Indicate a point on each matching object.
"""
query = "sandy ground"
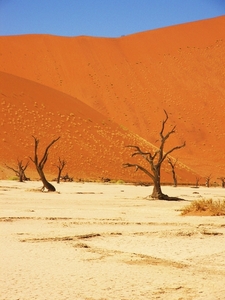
(100, 242)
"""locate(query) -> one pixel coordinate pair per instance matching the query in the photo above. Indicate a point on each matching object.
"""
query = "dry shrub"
(205, 207)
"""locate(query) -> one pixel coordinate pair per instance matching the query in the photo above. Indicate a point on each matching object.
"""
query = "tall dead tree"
(40, 164)
(20, 172)
(60, 166)
(173, 164)
(155, 160)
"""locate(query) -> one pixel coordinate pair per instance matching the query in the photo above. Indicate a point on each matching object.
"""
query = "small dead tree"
(173, 164)
(207, 180)
(197, 179)
(66, 178)
(222, 181)
(20, 172)
(155, 160)
(60, 166)
(40, 164)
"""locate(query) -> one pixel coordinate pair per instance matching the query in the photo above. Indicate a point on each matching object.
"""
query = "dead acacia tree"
(197, 181)
(207, 180)
(173, 164)
(155, 160)
(40, 164)
(60, 166)
(222, 181)
(20, 172)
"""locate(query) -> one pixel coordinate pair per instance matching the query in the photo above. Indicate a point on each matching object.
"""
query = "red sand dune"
(92, 145)
(128, 80)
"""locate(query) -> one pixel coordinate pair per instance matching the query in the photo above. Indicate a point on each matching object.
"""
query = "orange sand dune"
(131, 79)
(92, 146)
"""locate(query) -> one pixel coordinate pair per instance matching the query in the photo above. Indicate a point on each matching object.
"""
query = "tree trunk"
(21, 177)
(59, 175)
(157, 191)
(174, 179)
(46, 184)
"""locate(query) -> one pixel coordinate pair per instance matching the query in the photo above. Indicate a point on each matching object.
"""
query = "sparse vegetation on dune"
(205, 207)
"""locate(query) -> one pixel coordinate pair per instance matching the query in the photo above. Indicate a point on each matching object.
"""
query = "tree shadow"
(167, 198)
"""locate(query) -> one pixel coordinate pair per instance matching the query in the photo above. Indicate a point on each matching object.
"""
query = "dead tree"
(40, 164)
(197, 179)
(155, 160)
(173, 164)
(207, 180)
(222, 181)
(66, 178)
(20, 172)
(60, 167)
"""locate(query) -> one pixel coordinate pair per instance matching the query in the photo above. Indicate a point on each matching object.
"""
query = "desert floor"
(102, 241)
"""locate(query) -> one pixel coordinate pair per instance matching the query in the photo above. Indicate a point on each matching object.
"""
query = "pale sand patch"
(94, 241)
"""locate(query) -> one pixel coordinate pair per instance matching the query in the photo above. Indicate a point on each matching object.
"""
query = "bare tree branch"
(127, 165)
(171, 150)
(45, 156)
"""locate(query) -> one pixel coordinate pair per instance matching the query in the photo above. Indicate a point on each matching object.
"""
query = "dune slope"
(92, 146)
(131, 79)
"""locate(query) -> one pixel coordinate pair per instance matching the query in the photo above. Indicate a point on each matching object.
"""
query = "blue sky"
(106, 18)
